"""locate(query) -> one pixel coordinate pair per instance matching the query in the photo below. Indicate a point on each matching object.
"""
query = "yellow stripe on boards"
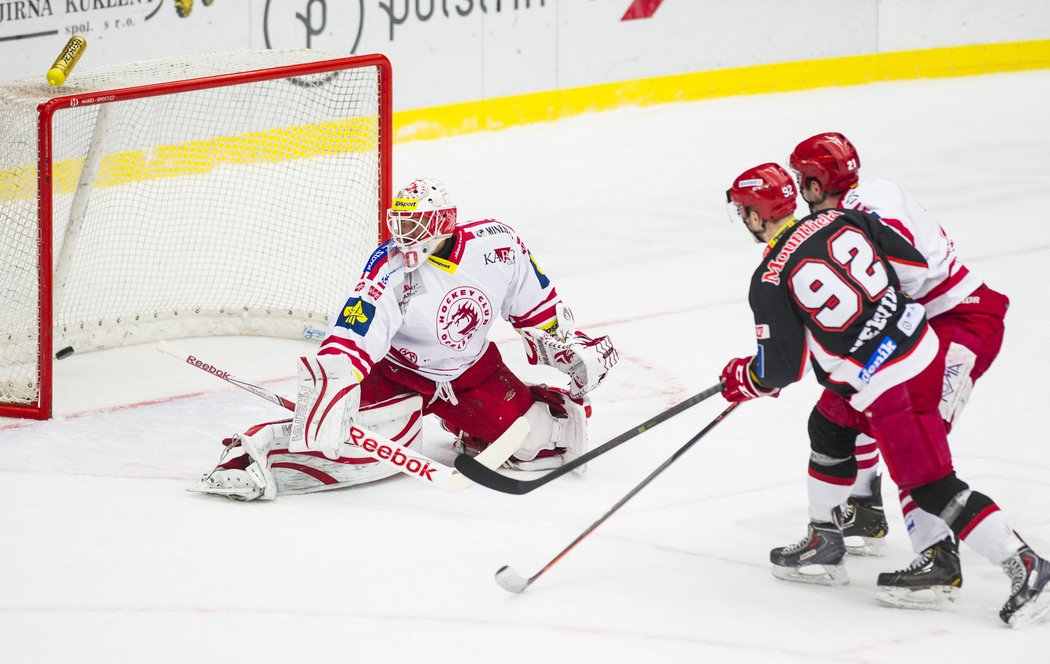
(489, 114)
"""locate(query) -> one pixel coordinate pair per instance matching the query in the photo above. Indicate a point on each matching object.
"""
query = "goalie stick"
(511, 581)
(488, 477)
(386, 451)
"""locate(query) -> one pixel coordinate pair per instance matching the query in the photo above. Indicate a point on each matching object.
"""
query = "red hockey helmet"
(767, 189)
(829, 158)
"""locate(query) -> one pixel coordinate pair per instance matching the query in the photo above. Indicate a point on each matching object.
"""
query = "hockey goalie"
(412, 340)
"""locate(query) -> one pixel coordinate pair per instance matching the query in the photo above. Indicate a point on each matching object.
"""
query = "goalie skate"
(816, 558)
(254, 481)
(931, 581)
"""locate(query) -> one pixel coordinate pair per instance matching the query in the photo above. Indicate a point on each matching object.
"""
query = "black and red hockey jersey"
(827, 292)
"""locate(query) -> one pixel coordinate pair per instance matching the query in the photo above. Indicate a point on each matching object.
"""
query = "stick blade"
(510, 580)
(486, 477)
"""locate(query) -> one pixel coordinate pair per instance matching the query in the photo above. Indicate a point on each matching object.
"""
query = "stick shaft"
(488, 477)
(633, 492)
(257, 390)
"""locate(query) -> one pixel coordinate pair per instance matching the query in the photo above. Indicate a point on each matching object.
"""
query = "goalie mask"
(419, 218)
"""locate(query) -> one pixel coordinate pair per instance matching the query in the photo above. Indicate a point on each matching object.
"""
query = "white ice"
(104, 557)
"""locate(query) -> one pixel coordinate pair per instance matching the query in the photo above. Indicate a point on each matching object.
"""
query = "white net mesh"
(242, 209)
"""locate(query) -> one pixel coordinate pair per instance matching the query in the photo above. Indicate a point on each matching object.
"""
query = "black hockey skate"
(1029, 598)
(932, 581)
(817, 558)
(863, 522)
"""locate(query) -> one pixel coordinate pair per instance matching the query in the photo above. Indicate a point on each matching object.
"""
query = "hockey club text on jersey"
(800, 235)
(885, 309)
(462, 313)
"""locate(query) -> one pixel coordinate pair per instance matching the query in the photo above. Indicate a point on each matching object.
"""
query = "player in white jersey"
(411, 340)
(968, 319)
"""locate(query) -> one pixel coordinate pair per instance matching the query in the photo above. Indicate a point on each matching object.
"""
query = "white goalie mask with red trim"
(419, 218)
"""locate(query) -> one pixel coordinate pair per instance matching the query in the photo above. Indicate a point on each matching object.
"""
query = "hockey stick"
(488, 477)
(386, 451)
(513, 582)
(270, 396)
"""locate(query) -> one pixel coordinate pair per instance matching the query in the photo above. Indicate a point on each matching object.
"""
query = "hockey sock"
(924, 529)
(867, 453)
(828, 485)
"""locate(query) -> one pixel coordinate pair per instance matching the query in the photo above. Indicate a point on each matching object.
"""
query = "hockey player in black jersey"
(827, 296)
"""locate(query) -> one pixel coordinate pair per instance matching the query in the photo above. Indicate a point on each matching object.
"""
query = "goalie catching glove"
(326, 403)
(585, 360)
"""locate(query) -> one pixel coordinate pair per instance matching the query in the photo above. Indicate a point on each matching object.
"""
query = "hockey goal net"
(229, 193)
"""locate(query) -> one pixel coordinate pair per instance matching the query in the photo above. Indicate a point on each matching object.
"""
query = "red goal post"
(233, 193)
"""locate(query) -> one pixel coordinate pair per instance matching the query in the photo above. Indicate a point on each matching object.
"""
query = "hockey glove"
(585, 360)
(326, 404)
(740, 383)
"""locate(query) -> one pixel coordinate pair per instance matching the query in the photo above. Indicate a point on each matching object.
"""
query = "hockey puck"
(64, 353)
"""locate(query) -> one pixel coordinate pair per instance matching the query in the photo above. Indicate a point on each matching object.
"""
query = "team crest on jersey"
(357, 315)
(462, 313)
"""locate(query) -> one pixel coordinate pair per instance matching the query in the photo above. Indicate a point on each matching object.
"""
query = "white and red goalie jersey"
(435, 320)
(946, 282)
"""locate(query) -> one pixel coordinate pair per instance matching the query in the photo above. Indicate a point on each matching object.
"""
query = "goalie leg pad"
(326, 403)
(399, 419)
(558, 431)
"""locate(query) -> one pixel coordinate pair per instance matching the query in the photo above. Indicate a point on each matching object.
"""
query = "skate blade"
(1032, 612)
(821, 575)
(934, 598)
(864, 546)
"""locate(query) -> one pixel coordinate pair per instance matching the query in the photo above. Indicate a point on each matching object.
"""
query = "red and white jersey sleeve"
(947, 281)
(436, 319)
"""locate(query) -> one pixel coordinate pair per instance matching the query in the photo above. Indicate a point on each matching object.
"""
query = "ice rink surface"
(104, 557)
